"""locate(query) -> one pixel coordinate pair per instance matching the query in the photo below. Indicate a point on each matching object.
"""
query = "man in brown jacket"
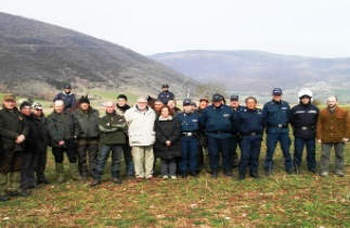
(333, 130)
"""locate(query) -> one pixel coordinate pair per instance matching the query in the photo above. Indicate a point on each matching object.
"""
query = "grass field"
(282, 200)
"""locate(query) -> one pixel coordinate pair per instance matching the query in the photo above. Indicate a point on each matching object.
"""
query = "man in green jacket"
(87, 143)
(13, 133)
(63, 130)
(113, 130)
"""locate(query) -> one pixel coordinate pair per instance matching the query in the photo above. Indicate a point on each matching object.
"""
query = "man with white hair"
(140, 120)
(304, 120)
(113, 129)
(333, 130)
(63, 130)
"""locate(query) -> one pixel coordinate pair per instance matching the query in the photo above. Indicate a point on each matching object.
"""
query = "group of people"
(159, 130)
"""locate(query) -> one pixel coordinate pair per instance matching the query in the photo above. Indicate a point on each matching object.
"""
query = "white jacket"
(141, 126)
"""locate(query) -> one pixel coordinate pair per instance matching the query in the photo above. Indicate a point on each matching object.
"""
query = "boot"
(117, 180)
(3, 182)
(13, 183)
(95, 182)
(59, 172)
(74, 172)
(41, 179)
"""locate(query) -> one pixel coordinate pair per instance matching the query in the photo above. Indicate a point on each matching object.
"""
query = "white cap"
(305, 92)
(58, 103)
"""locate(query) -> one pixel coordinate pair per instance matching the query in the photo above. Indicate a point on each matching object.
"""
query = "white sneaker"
(173, 177)
(165, 177)
(339, 173)
(324, 174)
(149, 177)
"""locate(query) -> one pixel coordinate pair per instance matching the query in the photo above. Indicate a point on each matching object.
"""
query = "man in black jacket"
(40, 123)
(304, 120)
(13, 133)
(88, 138)
(29, 154)
(63, 131)
(68, 98)
(166, 95)
(122, 107)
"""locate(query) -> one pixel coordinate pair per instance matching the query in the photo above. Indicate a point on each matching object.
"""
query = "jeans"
(103, 157)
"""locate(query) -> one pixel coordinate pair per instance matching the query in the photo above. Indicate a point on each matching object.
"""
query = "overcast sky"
(302, 27)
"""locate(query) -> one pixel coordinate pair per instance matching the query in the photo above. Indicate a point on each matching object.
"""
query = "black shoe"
(42, 181)
(254, 175)
(241, 176)
(228, 174)
(95, 183)
(184, 175)
(13, 193)
(194, 174)
(4, 198)
(116, 180)
(214, 175)
(268, 173)
(312, 170)
(297, 170)
(290, 171)
(24, 193)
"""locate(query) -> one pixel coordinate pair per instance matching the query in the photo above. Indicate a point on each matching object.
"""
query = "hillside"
(37, 59)
(256, 72)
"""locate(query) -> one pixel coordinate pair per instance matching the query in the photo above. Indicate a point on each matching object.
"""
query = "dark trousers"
(41, 161)
(29, 162)
(250, 153)
(102, 158)
(69, 149)
(217, 145)
(299, 145)
(235, 144)
(271, 143)
(168, 167)
(189, 154)
(87, 154)
(129, 165)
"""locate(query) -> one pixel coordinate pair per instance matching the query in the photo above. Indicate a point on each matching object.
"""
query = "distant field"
(304, 200)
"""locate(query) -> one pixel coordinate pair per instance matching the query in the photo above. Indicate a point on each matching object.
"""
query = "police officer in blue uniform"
(304, 120)
(236, 107)
(165, 95)
(189, 124)
(220, 123)
(68, 98)
(277, 117)
(251, 128)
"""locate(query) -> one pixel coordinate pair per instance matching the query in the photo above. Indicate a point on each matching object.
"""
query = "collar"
(277, 102)
(165, 119)
(123, 108)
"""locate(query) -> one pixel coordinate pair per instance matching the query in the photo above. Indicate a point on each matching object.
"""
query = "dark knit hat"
(84, 99)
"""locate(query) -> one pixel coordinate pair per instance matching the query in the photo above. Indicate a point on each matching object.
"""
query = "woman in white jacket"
(140, 119)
